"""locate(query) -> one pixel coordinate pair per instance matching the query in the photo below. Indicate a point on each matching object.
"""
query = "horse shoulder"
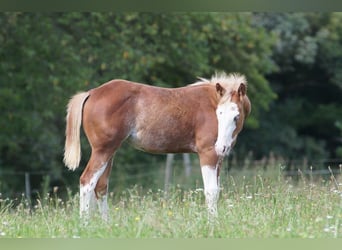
(206, 125)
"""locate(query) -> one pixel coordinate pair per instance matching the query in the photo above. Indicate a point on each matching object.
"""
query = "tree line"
(293, 63)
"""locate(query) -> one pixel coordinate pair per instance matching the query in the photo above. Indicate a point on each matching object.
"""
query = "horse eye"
(236, 118)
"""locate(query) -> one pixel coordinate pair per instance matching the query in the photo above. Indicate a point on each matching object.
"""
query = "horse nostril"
(224, 149)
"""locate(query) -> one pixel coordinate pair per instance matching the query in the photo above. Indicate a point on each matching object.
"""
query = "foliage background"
(292, 62)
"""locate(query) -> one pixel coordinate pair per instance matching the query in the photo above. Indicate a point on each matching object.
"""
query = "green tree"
(38, 70)
(301, 122)
(47, 57)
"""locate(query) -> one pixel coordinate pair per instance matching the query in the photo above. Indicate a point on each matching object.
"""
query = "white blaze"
(226, 114)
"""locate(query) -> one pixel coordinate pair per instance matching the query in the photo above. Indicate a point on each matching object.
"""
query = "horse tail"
(72, 150)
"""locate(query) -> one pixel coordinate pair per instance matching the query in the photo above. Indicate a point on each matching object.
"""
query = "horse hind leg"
(101, 191)
(96, 167)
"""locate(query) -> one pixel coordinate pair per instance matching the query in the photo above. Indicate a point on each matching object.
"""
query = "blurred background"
(293, 63)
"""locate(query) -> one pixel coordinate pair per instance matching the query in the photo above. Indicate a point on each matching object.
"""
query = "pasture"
(262, 204)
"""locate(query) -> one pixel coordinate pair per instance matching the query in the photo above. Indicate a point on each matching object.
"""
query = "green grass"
(255, 206)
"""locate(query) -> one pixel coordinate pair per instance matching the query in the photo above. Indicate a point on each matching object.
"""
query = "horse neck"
(246, 105)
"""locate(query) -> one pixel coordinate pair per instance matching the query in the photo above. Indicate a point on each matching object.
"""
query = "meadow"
(263, 204)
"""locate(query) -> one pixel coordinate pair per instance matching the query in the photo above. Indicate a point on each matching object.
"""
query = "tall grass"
(252, 205)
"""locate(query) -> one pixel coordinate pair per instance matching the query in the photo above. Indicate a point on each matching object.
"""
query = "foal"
(203, 118)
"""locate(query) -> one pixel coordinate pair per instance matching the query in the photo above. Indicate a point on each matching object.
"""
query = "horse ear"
(242, 89)
(219, 89)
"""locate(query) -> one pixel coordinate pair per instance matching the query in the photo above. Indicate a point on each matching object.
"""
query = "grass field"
(261, 205)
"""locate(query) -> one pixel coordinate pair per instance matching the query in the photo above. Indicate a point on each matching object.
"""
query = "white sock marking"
(211, 188)
(103, 206)
(87, 194)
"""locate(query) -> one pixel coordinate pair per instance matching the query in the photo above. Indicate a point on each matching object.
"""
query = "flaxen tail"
(72, 150)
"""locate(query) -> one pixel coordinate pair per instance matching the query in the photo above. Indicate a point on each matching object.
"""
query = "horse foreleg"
(101, 191)
(211, 188)
(210, 167)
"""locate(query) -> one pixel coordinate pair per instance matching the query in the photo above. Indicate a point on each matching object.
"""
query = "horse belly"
(163, 141)
(163, 122)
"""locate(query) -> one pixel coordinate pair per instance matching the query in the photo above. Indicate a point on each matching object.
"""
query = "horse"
(204, 118)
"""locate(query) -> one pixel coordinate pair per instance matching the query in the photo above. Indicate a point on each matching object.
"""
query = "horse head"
(232, 109)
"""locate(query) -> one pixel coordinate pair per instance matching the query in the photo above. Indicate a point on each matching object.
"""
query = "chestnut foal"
(203, 118)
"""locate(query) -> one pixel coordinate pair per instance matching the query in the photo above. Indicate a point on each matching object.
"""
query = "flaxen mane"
(230, 81)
